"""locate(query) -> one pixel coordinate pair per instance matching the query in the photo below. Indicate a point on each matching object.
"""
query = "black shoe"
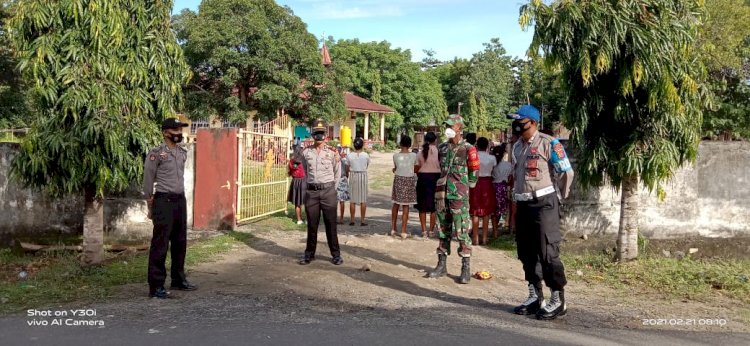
(337, 260)
(183, 286)
(533, 303)
(158, 292)
(554, 308)
(440, 269)
(306, 260)
(465, 270)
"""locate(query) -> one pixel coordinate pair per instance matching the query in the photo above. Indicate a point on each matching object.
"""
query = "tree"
(724, 46)
(14, 110)
(538, 84)
(490, 79)
(254, 55)
(634, 91)
(449, 75)
(387, 75)
(102, 74)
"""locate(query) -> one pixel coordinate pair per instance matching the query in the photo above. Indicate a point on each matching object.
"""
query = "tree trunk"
(93, 228)
(627, 235)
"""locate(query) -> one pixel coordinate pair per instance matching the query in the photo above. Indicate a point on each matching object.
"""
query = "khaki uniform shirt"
(538, 162)
(324, 167)
(165, 168)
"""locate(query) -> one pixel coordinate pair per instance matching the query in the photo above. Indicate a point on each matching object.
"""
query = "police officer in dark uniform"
(542, 177)
(164, 188)
(322, 164)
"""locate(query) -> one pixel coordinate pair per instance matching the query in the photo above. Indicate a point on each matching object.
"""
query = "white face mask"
(450, 133)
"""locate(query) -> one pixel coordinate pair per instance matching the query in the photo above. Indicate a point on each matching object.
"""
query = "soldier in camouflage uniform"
(459, 164)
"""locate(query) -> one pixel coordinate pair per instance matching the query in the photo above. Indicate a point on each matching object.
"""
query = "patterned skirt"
(404, 190)
(358, 187)
(297, 191)
(482, 198)
(426, 183)
(342, 190)
(502, 196)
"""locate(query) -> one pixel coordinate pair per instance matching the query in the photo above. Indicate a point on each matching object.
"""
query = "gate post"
(216, 155)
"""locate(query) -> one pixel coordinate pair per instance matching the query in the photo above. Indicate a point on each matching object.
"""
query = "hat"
(319, 126)
(454, 119)
(172, 123)
(525, 112)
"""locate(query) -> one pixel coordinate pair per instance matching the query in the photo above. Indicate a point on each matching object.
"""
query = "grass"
(680, 279)
(58, 278)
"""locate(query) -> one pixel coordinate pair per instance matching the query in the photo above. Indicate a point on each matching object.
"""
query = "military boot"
(533, 303)
(465, 270)
(554, 308)
(439, 270)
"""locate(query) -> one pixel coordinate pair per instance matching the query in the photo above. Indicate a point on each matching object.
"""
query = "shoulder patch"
(152, 157)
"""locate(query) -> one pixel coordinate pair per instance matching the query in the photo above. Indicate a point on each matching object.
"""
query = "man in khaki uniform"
(323, 168)
(542, 175)
(164, 189)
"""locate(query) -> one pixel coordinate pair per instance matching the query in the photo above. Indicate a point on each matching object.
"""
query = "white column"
(382, 127)
(367, 126)
(353, 124)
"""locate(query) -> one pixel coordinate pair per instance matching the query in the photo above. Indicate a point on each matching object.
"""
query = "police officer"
(164, 188)
(542, 175)
(323, 168)
(459, 165)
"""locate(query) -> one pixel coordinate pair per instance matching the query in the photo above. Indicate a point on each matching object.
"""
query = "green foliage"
(102, 74)
(449, 75)
(539, 85)
(14, 108)
(490, 80)
(634, 86)
(254, 55)
(387, 75)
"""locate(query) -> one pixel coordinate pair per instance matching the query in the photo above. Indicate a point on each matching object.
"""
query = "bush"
(378, 147)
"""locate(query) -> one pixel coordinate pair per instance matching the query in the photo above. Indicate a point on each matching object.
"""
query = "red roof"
(325, 55)
(358, 104)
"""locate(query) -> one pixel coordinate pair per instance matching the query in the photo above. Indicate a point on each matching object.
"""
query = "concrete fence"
(28, 213)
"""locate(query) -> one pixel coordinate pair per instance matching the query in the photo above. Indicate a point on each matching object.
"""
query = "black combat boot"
(439, 270)
(554, 308)
(465, 270)
(533, 303)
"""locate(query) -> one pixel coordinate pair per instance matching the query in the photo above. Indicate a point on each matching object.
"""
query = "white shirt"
(502, 171)
(358, 162)
(405, 163)
(486, 163)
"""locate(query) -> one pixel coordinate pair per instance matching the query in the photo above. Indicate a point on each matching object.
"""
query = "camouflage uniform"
(459, 164)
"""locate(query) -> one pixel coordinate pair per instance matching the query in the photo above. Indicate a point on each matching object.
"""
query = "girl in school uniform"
(404, 192)
(482, 196)
(501, 182)
(359, 161)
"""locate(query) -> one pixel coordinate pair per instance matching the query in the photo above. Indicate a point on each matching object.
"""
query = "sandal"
(362, 224)
(351, 224)
(393, 233)
(404, 235)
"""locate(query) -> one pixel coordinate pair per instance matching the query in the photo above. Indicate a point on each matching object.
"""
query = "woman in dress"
(404, 191)
(298, 186)
(482, 196)
(342, 189)
(359, 161)
(501, 181)
(428, 173)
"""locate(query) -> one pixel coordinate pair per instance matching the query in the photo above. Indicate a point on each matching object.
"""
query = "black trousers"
(169, 214)
(538, 241)
(317, 202)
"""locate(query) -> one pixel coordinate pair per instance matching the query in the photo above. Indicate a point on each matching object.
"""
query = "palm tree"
(634, 90)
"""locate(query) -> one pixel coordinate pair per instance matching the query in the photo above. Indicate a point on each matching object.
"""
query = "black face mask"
(319, 137)
(519, 128)
(175, 138)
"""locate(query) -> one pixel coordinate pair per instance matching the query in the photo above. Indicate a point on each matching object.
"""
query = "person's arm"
(419, 163)
(562, 167)
(472, 163)
(394, 164)
(336, 169)
(149, 177)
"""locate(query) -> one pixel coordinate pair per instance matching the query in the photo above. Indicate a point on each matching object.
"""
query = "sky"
(452, 28)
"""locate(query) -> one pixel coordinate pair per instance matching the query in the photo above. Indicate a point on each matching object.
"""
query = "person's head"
(453, 127)
(171, 130)
(405, 142)
(429, 139)
(359, 143)
(319, 132)
(483, 144)
(525, 121)
(471, 138)
(499, 151)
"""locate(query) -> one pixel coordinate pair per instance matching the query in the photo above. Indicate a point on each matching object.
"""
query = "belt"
(168, 195)
(528, 196)
(320, 186)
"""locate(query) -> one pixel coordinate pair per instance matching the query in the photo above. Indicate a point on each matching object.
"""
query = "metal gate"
(262, 174)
